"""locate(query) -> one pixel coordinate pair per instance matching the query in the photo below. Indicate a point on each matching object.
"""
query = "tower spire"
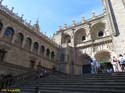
(36, 26)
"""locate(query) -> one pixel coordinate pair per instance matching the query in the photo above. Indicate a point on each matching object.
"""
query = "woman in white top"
(115, 64)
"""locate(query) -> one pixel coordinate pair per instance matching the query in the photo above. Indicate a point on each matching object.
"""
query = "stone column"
(68, 68)
(89, 30)
(123, 2)
(2, 31)
(32, 46)
(39, 49)
(76, 69)
(23, 43)
(14, 38)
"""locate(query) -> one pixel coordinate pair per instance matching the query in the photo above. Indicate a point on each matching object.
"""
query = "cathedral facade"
(23, 46)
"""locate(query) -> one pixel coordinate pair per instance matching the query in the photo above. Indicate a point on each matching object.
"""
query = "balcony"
(97, 41)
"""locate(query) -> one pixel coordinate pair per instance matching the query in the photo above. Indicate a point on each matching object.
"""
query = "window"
(35, 47)
(52, 55)
(42, 49)
(100, 33)
(83, 38)
(1, 26)
(47, 52)
(19, 38)
(9, 33)
(28, 43)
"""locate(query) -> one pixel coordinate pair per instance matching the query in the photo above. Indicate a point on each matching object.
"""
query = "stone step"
(75, 86)
(90, 75)
(79, 81)
(103, 76)
(90, 78)
(88, 83)
(85, 91)
(100, 83)
(78, 87)
(97, 80)
(56, 90)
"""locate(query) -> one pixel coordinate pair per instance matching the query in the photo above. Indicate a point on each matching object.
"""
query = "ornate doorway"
(104, 59)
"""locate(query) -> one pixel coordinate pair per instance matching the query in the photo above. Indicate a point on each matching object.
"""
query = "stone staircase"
(100, 83)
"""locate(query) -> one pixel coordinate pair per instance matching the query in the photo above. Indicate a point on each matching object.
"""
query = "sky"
(54, 13)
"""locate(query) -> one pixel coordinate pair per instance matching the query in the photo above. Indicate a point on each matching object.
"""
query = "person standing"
(124, 62)
(115, 64)
(97, 66)
(121, 62)
(94, 66)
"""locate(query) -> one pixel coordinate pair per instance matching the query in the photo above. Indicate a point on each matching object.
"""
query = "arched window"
(66, 38)
(9, 32)
(35, 47)
(97, 30)
(83, 38)
(19, 38)
(52, 55)
(1, 26)
(42, 49)
(47, 52)
(28, 43)
(100, 33)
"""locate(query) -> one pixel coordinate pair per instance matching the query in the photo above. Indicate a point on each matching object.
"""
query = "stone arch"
(35, 47)
(42, 50)
(80, 35)
(19, 39)
(103, 56)
(9, 33)
(28, 43)
(84, 59)
(47, 52)
(97, 29)
(66, 38)
(52, 55)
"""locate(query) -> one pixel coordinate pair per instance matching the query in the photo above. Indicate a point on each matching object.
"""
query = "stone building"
(23, 46)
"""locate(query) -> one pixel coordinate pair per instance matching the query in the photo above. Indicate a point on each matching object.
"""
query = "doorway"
(86, 69)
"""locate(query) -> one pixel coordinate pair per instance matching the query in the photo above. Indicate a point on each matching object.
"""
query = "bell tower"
(116, 15)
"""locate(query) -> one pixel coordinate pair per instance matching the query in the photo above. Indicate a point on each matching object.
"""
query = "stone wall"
(116, 14)
(17, 54)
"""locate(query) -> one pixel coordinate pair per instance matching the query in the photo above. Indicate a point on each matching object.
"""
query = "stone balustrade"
(80, 23)
(97, 41)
